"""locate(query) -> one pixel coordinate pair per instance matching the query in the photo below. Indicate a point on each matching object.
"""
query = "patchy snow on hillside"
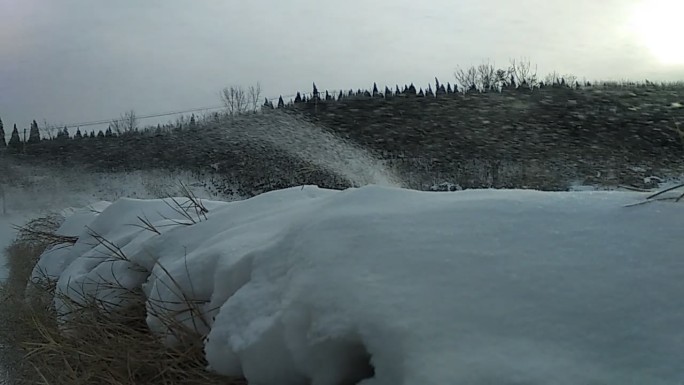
(392, 286)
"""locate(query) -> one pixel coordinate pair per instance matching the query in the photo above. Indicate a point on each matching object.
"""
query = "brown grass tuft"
(93, 346)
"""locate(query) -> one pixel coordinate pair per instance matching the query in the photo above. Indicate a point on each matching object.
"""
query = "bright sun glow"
(659, 25)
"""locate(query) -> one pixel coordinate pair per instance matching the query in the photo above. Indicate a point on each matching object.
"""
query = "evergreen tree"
(108, 133)
(92, 134)
(14, 142)
(396, 90)
(327, 95)
(3, 142)
(429, 91)
(340, 96)
(193, 122)
(412, 89)
(375, 90)
(298, 98)
(315, 92)
(449, 90)
(100, 134)
(34, 133)
(388, 92)
(65, 133)
(78, 134)
(281, 102)
(420, 93)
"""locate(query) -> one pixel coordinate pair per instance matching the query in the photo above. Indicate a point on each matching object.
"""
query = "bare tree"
(570, 80)
(235, 100)
(523, 73)
(130, 121)
(502, 77)
(49, 130)
(466, 78)
(552, 79)
(254, 95)
(486, 74)
(117, 126)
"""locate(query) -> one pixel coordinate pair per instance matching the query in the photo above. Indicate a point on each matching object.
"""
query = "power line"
(107, 121)
(157, 115)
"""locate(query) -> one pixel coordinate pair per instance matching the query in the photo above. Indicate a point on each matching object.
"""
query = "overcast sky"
(69, 61)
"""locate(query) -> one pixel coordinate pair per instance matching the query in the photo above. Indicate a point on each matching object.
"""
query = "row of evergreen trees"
(497, 80)
(18, 144)
(472, 80)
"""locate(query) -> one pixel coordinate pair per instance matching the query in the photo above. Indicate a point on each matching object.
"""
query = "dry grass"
(33, 239)
(93, 346)
(661, 196)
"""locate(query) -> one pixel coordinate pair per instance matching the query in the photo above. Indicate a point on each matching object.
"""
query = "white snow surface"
(306, 285)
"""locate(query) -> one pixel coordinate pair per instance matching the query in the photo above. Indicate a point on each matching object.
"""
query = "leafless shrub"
(502, 77)
(235, 99)
(49, 130)
(552, 78)
(570, 79)
(486, 75)
(128, 122)
(254, 96)
(467, 79)
(523, 73)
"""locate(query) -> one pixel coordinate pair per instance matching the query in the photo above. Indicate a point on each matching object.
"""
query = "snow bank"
(306, 285)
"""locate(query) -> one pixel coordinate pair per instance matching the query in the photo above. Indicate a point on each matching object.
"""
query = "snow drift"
(391, 286)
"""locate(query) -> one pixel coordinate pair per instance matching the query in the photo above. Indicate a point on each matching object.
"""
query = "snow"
(307, 285)
(42, 191)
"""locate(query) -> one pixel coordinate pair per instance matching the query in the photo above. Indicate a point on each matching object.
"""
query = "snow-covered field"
(306, 285)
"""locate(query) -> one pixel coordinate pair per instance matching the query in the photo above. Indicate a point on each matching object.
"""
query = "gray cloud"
(76, 60)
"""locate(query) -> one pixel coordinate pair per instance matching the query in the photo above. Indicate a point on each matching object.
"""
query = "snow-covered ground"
(36, 191)
(306, 285)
